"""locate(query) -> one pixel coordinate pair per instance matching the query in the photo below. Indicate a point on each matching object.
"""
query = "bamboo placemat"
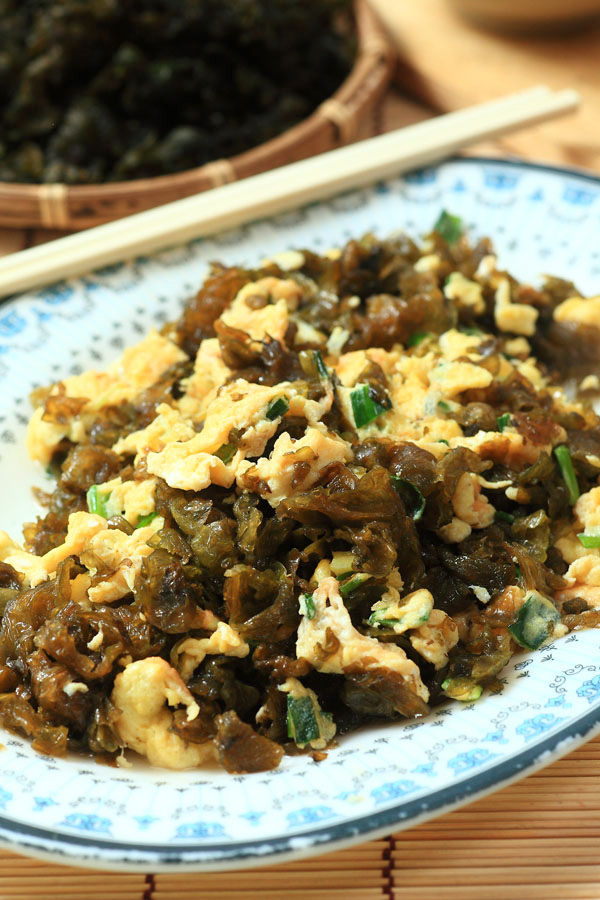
(537, 839)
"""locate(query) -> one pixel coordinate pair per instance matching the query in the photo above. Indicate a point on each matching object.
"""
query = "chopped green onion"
(442, 441)
(355, 582)
(364, 407)
(464, 689)
(417, 337)
(445, 407)
(302, 725)
(307, 606)
(226, 452)
(312, 364)
(411, 495)
(96, 501)
(471, 332)
(145, 520)
(536, 622)
(378, 618)
(322, 368)
(306, 721)
(503, 421)
(518, 572)
(567, 471)
(589, 541)
(449, 227)
(277, 408)
(504, 516)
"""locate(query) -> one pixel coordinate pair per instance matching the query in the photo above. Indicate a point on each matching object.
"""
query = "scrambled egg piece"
(436, 638)
(507, 447)
(519, 318)
(583, 580)
(240, 406)
(402, 613)
(581, 310)
(470, 505)
(587, 509)
(120, 553)
(454, 344)
(210, 372)
(455, 531)
(81, 530)
(253, 312)
(353, 650)
(138, 368)
(188, 655)
(451, 378)
(167, 427)
(144, 723)
(294, 465)
(587, 513)
(130, 499)
(467, 294)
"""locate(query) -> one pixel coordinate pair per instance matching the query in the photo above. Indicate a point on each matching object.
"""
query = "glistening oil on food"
(339, 489)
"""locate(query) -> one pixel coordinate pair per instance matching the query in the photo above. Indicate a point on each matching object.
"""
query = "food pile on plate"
(339, 489)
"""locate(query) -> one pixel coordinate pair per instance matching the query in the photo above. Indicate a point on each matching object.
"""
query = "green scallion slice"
(364, 407)
(307, 606)
(417, 337)
(312, 364)
(145, 520)
(226, 452)
(589, 541)
(443, 406)
(353, 583)
(567, 471)
(464, 689)
(96, 501)
(302, 724)
(307, 723)
(277, 408)
(537, 619)
(378, 619)
(321, 367)
(503, 421)
(443, 441)
(412, 497)
(449, 227)
(504, 516)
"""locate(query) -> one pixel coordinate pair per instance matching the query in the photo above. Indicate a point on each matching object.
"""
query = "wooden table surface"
(538, 839)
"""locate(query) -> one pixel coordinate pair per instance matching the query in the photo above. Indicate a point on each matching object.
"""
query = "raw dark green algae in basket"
(113, 90)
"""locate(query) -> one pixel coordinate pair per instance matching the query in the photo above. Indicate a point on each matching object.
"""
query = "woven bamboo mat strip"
(538, 838)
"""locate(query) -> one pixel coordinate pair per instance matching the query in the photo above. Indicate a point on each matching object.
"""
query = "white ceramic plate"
(382, 778)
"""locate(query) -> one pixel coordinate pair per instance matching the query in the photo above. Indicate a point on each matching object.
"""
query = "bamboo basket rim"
(333, 123)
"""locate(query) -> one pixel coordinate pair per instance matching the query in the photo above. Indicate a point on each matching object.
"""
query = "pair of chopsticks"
(281, 189)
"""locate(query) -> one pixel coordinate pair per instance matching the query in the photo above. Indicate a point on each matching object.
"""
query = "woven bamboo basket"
(333, 123)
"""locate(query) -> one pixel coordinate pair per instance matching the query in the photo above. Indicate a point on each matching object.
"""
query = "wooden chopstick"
(280, 189)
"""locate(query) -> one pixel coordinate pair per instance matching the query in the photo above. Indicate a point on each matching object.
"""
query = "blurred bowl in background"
(528, 15)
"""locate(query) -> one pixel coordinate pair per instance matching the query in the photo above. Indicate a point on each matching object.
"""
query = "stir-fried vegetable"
(337, 489)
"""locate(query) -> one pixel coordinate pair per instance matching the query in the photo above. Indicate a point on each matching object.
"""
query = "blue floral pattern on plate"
(382, 777)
